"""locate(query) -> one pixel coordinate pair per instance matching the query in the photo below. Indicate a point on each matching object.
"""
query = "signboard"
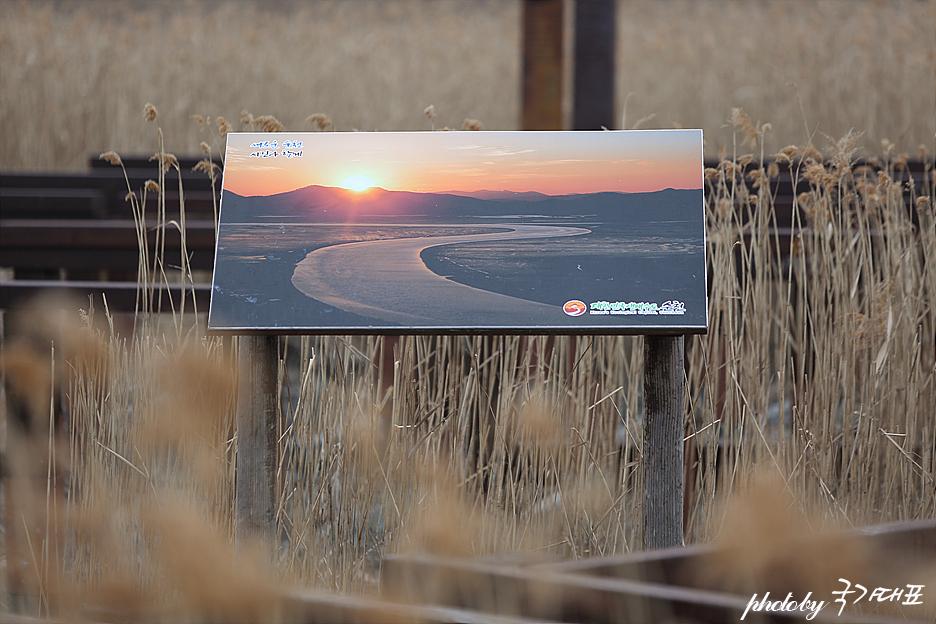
(461, 232)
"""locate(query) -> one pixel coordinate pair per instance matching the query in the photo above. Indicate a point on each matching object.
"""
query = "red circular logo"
(574, 308)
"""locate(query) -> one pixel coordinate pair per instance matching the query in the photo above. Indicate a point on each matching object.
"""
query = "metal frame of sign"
(461, 232)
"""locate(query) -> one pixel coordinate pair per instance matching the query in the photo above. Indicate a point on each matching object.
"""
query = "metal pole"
(256, 439)
(663, 433)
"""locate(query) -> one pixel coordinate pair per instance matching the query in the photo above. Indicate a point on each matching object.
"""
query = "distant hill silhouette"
(497, 195)
(324, 204)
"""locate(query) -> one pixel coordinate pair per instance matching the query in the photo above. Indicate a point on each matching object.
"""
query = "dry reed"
(818, 368)
(809, 66)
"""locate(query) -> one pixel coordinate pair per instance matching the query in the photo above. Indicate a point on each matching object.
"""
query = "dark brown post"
(663, 433)
(593, 102)
(256, 439)
(542, 64)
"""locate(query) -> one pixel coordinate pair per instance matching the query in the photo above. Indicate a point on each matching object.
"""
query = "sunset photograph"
(461, 231)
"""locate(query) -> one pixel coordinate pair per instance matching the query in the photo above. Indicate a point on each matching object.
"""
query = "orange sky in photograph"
(554, 163)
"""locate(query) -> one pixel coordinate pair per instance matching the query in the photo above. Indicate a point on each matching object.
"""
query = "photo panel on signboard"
(533, 232)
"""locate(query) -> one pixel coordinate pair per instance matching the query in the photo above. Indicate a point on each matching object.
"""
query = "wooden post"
(593, 102)
(663, 433)
(256, 439)
(542, 64)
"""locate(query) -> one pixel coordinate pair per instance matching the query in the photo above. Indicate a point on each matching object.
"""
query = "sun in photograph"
(358, 183)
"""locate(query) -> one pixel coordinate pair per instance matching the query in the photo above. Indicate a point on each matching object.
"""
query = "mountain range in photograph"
(322, 204)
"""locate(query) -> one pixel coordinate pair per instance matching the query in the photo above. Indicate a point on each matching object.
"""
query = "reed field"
(810, 402)
(74, 74)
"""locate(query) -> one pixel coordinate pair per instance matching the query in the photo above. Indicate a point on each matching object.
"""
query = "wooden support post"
(593, 102)
(663, 433)
(542, 64)
(256, 439)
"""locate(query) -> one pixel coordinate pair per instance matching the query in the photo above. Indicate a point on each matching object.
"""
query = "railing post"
(593, 101)
(542, 64)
